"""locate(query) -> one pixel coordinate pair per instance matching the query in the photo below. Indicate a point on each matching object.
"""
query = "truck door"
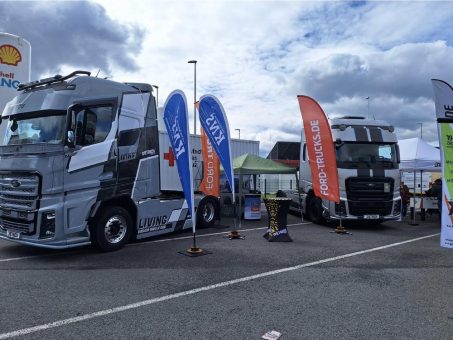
(91, 168)
(138, 160)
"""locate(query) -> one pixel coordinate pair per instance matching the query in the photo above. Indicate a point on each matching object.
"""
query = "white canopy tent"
(416, 155)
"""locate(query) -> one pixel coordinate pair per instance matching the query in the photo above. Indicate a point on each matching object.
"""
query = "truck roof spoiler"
(46, 81)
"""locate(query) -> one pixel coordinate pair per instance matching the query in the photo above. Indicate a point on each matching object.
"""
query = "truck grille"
(368, 195)
(19, 191)
(359, 208)
(19, 198)
(22, 226)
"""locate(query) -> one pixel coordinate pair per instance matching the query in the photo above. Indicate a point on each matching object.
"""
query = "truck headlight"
(386, 187)
(340, 208)
(47, 225)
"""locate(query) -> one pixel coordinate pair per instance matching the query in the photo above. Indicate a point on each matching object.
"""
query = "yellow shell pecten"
(9, 55)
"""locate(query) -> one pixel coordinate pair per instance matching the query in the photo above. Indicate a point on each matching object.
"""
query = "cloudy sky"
(256, 56)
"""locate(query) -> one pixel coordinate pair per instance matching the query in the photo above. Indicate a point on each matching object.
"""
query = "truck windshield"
(33, 128)
(366, 155)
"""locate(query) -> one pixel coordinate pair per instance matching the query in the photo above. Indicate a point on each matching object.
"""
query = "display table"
(277, 211)
(252, 207)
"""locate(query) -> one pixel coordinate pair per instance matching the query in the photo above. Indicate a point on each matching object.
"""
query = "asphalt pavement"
(387, 281)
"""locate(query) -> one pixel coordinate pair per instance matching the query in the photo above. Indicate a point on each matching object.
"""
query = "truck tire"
(207, 212)
(315, 210)
(111, 229)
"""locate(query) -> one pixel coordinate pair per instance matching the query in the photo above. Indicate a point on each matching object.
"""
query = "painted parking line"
(139, 304)
(145, 242)
(207, 234)
(35, 256)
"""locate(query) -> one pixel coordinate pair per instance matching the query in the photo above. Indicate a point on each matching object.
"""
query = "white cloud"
(257, 56)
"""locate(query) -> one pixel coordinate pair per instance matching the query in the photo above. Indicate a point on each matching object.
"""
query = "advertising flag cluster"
(443, 97)
(321, 150)
(175, 118)
(215, 124)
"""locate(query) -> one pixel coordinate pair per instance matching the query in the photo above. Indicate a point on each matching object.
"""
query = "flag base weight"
(194, 252)
(341, 230)
(235, 235)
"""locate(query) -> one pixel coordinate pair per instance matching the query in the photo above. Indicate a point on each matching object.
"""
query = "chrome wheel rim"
(208, 212)
(115, 229)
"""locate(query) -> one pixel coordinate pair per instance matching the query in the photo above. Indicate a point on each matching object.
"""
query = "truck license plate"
(13, 234)
(371, 217)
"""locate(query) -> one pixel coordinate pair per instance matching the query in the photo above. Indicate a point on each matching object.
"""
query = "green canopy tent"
(249, 164)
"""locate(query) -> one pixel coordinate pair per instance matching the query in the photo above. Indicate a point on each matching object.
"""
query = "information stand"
(277, 211)
(252, 207)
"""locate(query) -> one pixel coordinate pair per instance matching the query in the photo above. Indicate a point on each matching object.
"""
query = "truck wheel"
(206, 212)
(315, 210)
(112, 228)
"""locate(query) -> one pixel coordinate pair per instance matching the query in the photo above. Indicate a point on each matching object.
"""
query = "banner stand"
(215, 125)
(194, 251)
(413, 206)
(340, 229)
(300, 199)
(234, 234)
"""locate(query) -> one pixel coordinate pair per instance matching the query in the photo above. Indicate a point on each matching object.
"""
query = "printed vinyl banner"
(175, 118)
(211, 168)
(443, 94)
(321, 150)
(215, 124)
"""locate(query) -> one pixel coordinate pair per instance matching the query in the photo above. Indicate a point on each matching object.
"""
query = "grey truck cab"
(79, 164)
(367, 157)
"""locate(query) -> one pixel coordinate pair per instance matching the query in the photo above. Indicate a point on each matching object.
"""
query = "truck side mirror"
(70, 139)
(338, 143)
(398, 159)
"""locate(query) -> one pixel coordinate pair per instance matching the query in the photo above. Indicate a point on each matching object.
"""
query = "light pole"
(238, 130)
(194, 62)
(421, 130)
(368, 101)
(157, 95)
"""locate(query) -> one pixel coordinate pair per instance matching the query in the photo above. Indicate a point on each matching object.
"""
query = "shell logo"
(9, 55)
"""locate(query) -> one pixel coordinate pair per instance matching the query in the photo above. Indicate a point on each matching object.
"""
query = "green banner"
(446, 206)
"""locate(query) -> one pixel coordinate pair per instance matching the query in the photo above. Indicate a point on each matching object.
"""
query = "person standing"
(436, 191)
(405, 199)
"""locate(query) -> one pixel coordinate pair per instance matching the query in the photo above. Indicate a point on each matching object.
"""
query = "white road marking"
(204, 235)
(35, 256)
(145, 242)
(68, 321)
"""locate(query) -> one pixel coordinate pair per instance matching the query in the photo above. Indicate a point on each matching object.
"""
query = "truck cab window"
(40, 127)
(92, 124)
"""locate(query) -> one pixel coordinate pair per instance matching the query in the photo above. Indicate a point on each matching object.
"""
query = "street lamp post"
(194, 62)
(239, 130)
(368, 101)
(157, 95)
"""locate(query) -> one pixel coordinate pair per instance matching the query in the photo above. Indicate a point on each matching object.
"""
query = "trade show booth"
(248, 198)
(417, 156)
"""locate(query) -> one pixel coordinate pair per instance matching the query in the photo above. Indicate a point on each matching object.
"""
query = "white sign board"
(15, 60)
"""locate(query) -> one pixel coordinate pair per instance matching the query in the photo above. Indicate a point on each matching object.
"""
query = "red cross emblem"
(170, 156)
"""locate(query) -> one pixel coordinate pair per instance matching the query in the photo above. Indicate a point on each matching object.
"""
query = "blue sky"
(256, 56)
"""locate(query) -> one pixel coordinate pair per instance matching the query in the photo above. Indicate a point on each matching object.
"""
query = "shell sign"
(14, 66)
(10, 55)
